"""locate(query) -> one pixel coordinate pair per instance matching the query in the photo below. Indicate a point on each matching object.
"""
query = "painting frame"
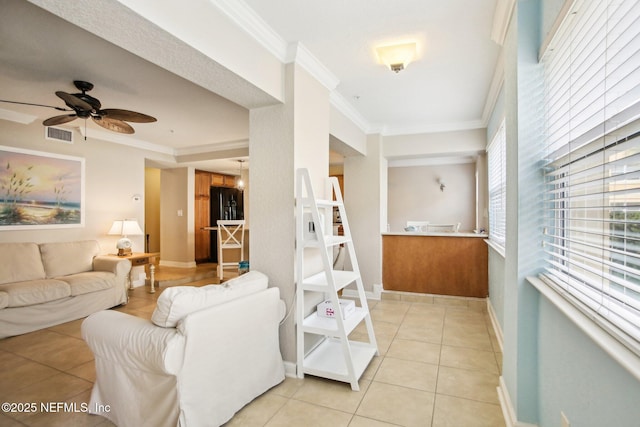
(40, 190)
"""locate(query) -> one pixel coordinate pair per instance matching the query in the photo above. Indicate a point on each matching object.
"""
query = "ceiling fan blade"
(35, 105)
(126, 115)
(113, 124)
(74, 102)
(58, 120)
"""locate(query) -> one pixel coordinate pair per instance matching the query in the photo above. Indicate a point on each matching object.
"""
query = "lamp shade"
(125, 227)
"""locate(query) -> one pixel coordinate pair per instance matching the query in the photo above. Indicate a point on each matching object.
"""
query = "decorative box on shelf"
(347, 307)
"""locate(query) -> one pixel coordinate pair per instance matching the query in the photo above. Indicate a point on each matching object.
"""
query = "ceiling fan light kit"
(85, 106)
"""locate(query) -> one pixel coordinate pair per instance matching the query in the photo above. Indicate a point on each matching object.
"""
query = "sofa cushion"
(35, 292)
(4, 299)
(64, 258)
(176, 302)
(20, 262)
(90, 281)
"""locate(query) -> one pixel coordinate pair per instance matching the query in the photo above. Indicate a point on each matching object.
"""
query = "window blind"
(592, 165)
(496, 157)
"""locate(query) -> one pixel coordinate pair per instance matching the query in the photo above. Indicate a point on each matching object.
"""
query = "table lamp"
(124, 228)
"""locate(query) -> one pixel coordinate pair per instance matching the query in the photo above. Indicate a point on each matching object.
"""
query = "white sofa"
(46, 284)
(205, 354)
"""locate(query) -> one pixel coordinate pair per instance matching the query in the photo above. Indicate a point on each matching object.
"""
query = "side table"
(142, 258)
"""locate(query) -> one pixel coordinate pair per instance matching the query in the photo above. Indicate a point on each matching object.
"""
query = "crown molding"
(209, 148)
(343, 106)
(457, 159)
(14, 116)
(124, 140)
(432, 128)
(249, 21)
(494, 90)
(299, 54)
(501, 18)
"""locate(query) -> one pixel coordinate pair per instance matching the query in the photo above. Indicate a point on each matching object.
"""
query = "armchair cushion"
(176, 302)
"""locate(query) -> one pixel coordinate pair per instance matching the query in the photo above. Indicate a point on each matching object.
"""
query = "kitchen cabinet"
(202, 210)
(219, 180)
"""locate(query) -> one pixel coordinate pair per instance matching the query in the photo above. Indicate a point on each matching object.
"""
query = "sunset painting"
(40, 190)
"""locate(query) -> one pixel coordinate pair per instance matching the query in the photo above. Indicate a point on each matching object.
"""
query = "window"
(592, 165)
(496, 154)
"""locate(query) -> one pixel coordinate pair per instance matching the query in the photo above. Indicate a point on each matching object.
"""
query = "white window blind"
(496, 156)
(592, 168)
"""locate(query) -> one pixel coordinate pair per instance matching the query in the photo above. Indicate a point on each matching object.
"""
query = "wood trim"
(441, 265)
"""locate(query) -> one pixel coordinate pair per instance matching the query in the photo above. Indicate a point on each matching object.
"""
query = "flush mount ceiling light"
(397, 56)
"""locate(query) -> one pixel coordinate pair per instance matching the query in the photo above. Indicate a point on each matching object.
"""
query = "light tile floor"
(439, 366)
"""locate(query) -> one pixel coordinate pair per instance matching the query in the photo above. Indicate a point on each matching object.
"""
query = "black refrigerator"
(225, 203)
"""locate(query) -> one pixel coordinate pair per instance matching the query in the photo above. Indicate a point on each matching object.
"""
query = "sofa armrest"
(127, 340)
(118, 266)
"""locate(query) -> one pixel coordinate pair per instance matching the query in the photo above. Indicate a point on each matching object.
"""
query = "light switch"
(179, 212)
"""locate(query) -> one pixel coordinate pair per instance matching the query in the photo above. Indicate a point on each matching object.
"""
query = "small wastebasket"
(243, 267)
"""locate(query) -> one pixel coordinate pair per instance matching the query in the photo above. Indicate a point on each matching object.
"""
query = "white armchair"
(216, 349)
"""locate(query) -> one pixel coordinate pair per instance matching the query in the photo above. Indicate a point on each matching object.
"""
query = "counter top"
(444, 234)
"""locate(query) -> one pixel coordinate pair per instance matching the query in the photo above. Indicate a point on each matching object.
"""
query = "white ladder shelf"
(335, 356)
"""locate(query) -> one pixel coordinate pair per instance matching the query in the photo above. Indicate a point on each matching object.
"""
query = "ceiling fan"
(85, 106)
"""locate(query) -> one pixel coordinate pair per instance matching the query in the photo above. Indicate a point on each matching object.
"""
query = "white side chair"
(420, 226)
(230, 237)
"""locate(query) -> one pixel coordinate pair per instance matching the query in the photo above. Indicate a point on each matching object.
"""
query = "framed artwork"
(40, 190)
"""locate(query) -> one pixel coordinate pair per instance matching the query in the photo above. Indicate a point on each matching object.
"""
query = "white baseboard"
(188, 264)
(496, 325)
(508, 411)
(290, 369)
(376, 294)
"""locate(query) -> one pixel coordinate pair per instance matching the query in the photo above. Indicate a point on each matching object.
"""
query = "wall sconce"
(124, 228)
(397, 56)
(441, 182)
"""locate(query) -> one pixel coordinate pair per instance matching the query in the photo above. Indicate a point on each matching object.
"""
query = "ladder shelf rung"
(328, 203)
(319, 282)
(315, 324)
(321, 203)
(329, 240)
(327, 359)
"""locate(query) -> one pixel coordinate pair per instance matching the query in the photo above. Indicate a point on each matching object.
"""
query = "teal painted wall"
(578, 378)
(549, 364)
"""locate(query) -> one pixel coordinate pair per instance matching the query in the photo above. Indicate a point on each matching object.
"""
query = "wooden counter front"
(443, 265)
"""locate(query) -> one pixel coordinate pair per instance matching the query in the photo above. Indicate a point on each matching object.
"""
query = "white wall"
(347, 132)
(435, 144)
(365, 179)
(414, 195)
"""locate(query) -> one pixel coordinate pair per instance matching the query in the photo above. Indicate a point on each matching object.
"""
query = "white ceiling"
(446, 88)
